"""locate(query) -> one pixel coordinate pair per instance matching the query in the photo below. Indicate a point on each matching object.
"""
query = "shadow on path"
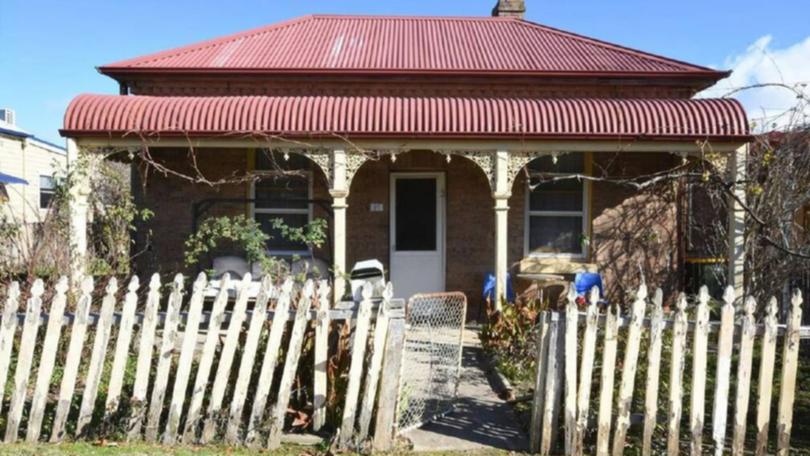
(480, 421)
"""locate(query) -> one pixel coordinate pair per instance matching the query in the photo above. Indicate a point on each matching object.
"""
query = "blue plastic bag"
(585, 281)
(489, 288)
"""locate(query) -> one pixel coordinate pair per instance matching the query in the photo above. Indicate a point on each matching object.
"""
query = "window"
(283, 193)
(556, 222)
(47, 188)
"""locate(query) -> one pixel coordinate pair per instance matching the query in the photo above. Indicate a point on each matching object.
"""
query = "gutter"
(113, 71)
(156, 135)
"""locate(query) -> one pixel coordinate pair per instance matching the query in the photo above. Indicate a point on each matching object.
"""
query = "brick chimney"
(510, 8)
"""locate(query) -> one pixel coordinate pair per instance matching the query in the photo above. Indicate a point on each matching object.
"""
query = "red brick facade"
(631, 231)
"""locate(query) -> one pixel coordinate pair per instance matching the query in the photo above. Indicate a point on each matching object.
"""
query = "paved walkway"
(481, 421)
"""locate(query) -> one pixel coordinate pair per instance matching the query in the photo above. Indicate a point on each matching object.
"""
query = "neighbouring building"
(421, 140)
(28, 167)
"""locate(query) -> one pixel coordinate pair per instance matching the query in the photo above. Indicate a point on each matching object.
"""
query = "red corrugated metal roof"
(445, 117)
(381, 44)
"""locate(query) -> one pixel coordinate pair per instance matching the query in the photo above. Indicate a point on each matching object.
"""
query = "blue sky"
(49, 49)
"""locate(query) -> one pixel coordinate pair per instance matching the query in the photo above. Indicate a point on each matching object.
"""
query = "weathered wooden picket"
(183, 361)
(560, 348)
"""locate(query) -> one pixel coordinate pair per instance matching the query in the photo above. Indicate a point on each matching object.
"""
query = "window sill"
(554, 265)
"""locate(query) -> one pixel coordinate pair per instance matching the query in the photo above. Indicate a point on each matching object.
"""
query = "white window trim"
(584, 213)
(51, 190)
(308, 211)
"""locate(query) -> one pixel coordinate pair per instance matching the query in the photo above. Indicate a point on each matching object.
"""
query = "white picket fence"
(198, 350)
(566, 360)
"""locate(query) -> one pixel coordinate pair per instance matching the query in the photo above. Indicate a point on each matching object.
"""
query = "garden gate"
(431, 362)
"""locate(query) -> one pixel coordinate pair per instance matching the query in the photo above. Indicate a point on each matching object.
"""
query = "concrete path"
(481, 421)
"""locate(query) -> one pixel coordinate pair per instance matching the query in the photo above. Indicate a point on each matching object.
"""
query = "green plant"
(240, 230)
(313, 234)
(509, 336)
(248, 235)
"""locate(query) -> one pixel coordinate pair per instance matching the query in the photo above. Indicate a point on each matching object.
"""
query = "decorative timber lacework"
(322, 158)
(518, 161)
(353, 163)
(484, 161)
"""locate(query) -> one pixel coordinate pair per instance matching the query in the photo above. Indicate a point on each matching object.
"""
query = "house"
(422, 136)
(27, 168)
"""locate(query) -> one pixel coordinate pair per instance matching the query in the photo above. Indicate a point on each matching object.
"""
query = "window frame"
(584, 214)
(51, 191)
(283, 211)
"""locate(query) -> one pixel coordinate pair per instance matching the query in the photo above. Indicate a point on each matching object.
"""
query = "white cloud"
(761, 63)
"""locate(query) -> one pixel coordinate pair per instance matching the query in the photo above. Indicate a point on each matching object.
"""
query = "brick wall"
(207, 86)
(633, 230)
(629, 228)
(171, 198)
(469, 217)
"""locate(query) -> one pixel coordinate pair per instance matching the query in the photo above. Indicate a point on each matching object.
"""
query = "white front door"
(417, 233)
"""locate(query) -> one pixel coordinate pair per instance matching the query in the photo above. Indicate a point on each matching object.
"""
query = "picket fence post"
(677, 363)
(73, 358)
(586, 369)
(146, 348)
(748, 331)
(321, 358)
(222, 377)
(765, 388)
(373, 371)
(269, 360)
(185, 359)
(206, 361)
(725, 342)
(25, 358)
(389, 386)
(548, 437)
(47, 360)
(121, 352)
(571, 326)
(9, 326)
(629, 367)
(290, 365)
(356, 367)
(790, 365)
(699, 361)
(653, 371)
(251, 345)
(539, 382)
(164, 366)
(607, 379)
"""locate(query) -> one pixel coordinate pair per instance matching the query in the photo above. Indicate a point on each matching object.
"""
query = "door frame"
(441, 214)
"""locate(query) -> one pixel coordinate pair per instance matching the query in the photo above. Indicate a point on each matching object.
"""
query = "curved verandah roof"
(388, 117)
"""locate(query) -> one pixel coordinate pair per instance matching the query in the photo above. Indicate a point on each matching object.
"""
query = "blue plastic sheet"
(489, 288)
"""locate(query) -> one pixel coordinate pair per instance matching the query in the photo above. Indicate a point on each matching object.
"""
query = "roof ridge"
(609, 45)
(412, 17)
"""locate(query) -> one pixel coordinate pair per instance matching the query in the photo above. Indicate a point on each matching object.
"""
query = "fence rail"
(191, 375)
(565, 376)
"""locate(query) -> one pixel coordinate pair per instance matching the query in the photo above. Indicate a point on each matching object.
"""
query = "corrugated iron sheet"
(404, 116)
(338, 44)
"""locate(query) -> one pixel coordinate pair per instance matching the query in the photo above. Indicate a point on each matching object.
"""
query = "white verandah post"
(501, 194)
(77, 210)
(340, 192)
(736, 171)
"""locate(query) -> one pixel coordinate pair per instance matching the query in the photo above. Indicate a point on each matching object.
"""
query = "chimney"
(510, 8)
(7, 116)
